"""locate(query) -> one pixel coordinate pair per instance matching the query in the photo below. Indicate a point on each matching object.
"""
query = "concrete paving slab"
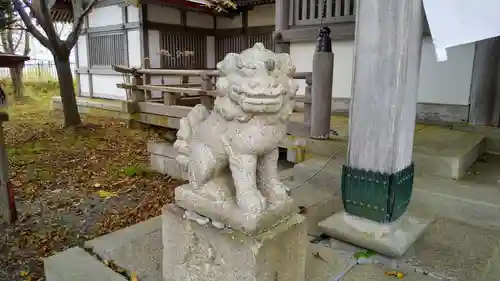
(325, 264)
(391, 239)
(317, 203)
(75, 264)
(137, 248)
(376, 272)
(457, 251)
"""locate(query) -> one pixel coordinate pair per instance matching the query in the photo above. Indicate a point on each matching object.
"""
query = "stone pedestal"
(202, 252)
(390, 239)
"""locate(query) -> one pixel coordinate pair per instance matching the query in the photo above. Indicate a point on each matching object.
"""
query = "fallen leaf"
(133, 277)
(397, 274)
(364, 254)
(106, 194)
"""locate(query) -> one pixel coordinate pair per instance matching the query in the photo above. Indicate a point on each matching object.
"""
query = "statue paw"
(251, 201)
(277, 195)
(218, 224)
(201, 220)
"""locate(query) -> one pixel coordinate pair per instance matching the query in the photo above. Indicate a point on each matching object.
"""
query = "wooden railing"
(310, 12)
(178, 99)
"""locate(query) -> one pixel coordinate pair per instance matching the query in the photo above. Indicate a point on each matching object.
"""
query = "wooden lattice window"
(238, 43)
(106, 49)
(229, 44)
(183, 50)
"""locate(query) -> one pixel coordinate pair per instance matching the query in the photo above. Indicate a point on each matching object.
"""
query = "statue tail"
(186, 129)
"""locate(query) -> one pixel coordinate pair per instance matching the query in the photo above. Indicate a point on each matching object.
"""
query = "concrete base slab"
(391, 239)
(75, 264)
(324, 264)
(194, 252)
(137, 248)
(377, 272)
(316, 203)
(162, 159)
(457, 251)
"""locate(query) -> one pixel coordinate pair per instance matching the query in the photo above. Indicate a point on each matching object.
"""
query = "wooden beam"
(165, 72)
(164, 110)
(341, 31)
(281, 23)
(166, 88)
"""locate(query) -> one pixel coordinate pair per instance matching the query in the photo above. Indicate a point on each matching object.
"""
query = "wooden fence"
(38, 70)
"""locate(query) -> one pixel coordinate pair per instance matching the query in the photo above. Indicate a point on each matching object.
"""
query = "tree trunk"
(16, 74)
(67, 91)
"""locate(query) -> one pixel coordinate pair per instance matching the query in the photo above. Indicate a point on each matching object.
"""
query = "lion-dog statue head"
(256, 82)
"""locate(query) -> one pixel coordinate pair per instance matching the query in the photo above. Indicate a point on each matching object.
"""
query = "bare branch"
(33, 11)
(29, 25)
(48, 25)
(78, 22)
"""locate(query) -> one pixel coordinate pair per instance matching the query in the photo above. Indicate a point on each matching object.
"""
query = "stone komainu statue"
(230, 154)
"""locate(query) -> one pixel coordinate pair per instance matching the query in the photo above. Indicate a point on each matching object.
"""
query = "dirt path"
(72, 185)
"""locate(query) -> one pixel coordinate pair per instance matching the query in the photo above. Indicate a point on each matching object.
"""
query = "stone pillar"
(378, 178)
(322, 79)
(197, 252)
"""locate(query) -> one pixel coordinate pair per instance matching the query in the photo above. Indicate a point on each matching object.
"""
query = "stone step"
(437, 151)
(136, 248)
(75, 264)
(316, 203)
(474, 203)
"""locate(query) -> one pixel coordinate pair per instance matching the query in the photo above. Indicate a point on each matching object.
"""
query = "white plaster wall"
(262, 15)
(440, 82)
(104, 86)
(163, 14)
(132, 14)
(84, 85)
(134, 48)
(224, 23)
(109, 15)
(82, 51)
(199, 20)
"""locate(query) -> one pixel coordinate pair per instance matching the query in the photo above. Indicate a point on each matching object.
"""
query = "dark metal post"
(322, 79)
(7, 202)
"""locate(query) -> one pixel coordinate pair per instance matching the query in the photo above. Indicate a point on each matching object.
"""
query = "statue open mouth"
(258, 101)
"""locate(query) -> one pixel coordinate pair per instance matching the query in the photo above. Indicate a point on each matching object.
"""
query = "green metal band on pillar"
(380, 197)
